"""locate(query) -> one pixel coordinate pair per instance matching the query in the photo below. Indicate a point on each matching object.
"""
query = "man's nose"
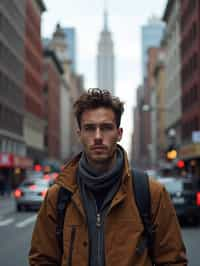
(98, 133)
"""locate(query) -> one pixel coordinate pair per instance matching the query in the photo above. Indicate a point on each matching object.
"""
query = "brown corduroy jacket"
(123, 227)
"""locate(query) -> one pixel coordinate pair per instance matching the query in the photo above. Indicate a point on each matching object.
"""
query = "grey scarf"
(88, 181)
(91, 178)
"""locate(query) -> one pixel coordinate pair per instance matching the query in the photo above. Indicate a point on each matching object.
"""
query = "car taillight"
(32, 187)
(198, 198)
(55, 175)
(43, 193)
(17, 193)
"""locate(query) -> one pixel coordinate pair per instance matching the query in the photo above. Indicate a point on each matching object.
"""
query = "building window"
(4, 144)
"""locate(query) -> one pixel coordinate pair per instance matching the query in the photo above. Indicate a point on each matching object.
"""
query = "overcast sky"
(125, 21)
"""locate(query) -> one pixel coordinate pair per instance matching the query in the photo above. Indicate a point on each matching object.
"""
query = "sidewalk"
(7, 204)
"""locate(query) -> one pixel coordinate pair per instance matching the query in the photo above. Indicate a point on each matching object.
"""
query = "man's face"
(99, 134)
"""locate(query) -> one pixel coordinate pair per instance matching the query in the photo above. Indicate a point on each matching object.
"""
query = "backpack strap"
(142, 195)
(63, 199)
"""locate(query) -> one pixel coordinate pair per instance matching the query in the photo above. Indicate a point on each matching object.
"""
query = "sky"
(125, 19)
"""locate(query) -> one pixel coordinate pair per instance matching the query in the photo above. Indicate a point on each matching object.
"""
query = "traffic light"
(171, 153)
(37, 167)
(180, 164)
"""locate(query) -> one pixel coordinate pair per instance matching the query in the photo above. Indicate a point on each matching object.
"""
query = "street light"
(171, 152)
(172, 132)
(148, 108)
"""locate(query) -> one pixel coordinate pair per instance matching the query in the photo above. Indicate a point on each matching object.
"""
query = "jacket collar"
(68, 180)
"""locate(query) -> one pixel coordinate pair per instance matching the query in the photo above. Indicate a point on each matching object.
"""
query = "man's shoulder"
(158, 194)
(53, 193)
(155, 186)
(156, 190)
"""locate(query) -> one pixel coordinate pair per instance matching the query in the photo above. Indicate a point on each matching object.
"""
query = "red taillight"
(55, 175)
(198, 199)
(43, 193)
(46, 177)
(17, 193)
(32, 187)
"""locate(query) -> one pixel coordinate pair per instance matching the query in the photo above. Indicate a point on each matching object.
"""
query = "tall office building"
(152, 34)
(34, 122)
(70, 34)
(12, 30)
(105, 59)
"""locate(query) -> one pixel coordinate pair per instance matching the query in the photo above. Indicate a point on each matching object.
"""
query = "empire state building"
(105, 59)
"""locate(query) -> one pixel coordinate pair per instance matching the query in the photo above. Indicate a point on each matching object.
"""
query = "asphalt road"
(16, 230)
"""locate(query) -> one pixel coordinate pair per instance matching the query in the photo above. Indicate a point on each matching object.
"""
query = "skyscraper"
(152, 34)
(105, 59)
(70, 35)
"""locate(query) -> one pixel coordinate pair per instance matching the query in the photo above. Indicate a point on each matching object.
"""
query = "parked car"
(185, 197)
(31, 174)
(31, 193)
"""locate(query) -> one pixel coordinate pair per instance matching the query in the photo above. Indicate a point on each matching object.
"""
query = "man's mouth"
(98, 147)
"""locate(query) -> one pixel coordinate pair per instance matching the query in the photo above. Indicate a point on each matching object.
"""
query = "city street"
(16, 229)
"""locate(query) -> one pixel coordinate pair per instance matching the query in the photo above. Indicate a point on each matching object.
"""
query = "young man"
(102, 225)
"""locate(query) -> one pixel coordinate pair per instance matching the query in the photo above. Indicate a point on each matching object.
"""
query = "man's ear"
(78, 132)
(120, 133)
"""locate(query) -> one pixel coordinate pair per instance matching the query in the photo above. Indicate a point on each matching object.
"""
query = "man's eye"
(106, 127)
(89, 128)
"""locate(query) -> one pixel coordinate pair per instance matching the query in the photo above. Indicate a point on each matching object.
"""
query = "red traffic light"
(38, 167)
(180, 164)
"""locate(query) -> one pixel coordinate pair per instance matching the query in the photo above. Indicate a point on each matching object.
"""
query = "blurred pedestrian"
(102, 225)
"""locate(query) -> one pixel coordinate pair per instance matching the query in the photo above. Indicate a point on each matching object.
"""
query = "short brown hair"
(95, 98)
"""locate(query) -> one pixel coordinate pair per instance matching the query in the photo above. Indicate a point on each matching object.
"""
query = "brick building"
(12, 24)
(34, 124)
(13, 160)
(190, 81)
(52, 85)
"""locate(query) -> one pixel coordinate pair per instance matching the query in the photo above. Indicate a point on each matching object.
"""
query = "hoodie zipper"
(98, 225)
(71, 247)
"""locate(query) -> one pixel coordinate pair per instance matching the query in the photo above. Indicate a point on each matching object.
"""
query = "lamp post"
(159, 142)
(148, 108)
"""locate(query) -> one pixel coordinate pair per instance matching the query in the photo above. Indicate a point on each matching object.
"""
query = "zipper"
(98, 225)
(98, 220)
(71, 247)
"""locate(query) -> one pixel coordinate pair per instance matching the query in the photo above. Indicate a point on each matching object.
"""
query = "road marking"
(6, 222)
(26, 222)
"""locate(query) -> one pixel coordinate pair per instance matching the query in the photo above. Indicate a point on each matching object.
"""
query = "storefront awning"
(9, 160)
(190, 151)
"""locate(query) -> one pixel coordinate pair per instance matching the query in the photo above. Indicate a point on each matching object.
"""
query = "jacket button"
(85, 243)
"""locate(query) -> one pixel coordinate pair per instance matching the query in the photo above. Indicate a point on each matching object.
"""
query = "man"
(102, 225)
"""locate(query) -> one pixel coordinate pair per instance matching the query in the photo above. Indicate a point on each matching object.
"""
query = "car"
(185, 197)
(31, 193)
(34, 174)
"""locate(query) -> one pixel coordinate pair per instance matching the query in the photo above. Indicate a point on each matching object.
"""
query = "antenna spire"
(105, 16)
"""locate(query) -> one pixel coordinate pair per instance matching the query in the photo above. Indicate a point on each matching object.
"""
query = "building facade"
(12, 28)
(71, 88)
(139, 150)
(171, 42)
(137, 134)
(51, 91)
(105, 59)
(70, 35)
(152, 34)
(34, 124)
(149, 115)
(190, 83)
(13, 159)
(160, 136)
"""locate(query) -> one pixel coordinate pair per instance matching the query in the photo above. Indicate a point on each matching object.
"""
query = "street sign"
(196, 136)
